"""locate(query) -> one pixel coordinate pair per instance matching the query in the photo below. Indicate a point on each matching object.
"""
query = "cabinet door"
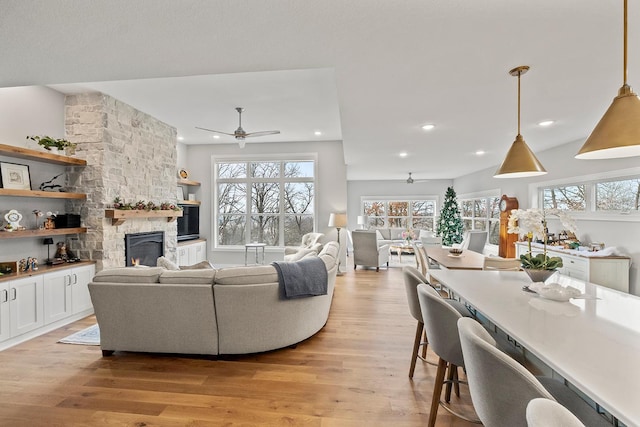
(80, 278)
(200, 250)
(25, 304)
(5, 328)
(183, 255)
(57, 296)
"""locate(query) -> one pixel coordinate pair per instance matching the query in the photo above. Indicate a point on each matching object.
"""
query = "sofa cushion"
(206, 265)
(129, 275)
(189, 277)
(166, 263)
(246, 275)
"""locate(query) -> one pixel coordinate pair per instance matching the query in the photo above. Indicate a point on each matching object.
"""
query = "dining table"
(592, 341)
(467, 260)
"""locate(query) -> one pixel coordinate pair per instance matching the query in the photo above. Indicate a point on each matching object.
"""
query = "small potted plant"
(48, 143)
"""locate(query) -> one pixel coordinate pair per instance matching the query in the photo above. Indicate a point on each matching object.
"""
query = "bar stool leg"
(437, 391)
(416, 348)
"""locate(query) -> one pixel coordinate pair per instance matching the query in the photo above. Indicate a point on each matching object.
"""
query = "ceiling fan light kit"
(240, 134)
(617, 134)
(520, 161)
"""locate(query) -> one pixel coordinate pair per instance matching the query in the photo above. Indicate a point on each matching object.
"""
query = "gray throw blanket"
(305, 278)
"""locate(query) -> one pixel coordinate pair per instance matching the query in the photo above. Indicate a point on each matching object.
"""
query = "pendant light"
(617, 134)
(520, 161)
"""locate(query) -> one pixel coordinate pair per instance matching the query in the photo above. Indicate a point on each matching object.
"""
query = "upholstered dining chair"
(549, 413)
(423, 263)
(366, 251)
(412, 278)
(440, 321)
(475, 240)
(501, 388)
(497, 263)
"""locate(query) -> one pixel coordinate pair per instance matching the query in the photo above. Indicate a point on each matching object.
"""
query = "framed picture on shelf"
(180, 194)
(14, 176)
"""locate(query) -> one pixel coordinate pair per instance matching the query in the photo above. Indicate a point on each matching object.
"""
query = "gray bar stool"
(549, 413)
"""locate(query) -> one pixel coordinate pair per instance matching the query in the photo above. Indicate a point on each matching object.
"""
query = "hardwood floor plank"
(354, 372)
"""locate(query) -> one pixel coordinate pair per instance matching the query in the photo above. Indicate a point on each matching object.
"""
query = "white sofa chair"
(367, 252)
(310, 242)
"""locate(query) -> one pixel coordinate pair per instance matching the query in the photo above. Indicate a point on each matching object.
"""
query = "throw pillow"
(199, 266)
(167, 264)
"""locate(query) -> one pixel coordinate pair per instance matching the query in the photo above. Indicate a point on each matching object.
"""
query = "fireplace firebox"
(143, 248)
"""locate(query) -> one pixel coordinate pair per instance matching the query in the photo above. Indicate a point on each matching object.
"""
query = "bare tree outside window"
(570, 197)
(621, 196)
(273, 203)
(416, 214)
(482, 213)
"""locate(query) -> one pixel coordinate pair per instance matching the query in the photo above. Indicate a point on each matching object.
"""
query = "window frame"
(282, 180)
(410, 199)
(486, 196)
(589, 181)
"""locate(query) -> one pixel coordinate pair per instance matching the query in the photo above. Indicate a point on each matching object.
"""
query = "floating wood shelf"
(28, 154)
(43, 194)
(188, 182)
(41, 233)
(189, 202)
(119, 216)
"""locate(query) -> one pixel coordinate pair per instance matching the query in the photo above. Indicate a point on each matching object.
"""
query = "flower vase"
(539, 275)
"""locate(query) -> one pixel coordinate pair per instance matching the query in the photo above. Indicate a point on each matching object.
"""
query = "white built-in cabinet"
(192, 252)
(33, 305)
(611, 271)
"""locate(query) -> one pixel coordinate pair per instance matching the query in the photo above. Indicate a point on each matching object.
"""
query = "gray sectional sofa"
(233, 310)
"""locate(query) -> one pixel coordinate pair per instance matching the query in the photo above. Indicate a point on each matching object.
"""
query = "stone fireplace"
(143, 248)
(130, 155)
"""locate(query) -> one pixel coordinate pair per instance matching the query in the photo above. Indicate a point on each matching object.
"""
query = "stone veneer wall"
(129, 154)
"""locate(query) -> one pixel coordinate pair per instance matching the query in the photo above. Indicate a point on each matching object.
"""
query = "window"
(416, 214)
(482, 213)
(623, 196)
(270, 202)
(570, 197)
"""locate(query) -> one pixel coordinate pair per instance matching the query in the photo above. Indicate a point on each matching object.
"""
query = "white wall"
(560, 164)
(331, 191)
(26, 111)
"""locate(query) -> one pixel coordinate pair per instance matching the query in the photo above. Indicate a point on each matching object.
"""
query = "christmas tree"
(450, 225)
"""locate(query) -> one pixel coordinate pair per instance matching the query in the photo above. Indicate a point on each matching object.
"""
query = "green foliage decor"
(48, 142)
(450, 225)
(141, 205)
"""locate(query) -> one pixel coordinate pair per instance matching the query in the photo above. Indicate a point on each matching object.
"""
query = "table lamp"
(362, 221)
(48, 241)
(338, 220)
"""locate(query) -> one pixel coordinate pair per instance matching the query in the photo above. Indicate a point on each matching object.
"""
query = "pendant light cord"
(624, 73)
(519, 74)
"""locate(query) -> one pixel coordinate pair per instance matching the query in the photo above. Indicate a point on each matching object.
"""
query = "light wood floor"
(352, 373)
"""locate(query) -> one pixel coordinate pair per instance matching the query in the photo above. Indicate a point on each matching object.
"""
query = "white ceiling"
(369, 72)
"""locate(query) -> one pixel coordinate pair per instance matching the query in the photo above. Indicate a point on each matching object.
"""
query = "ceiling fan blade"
(215, 131)
(263, 133)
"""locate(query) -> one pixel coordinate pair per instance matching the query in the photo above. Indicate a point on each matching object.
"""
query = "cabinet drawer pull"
(14, 293)
(75, 278)
(5, 294)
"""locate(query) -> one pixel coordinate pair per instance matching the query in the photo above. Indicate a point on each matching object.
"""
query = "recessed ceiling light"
(403, 154)
(480, 153)
(216, 136)
(546, 123)
(181, 138)
(317, 133)
(428, 127)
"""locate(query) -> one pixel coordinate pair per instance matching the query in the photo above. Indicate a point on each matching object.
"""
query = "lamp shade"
(338, 220)
(617, 134)
(47, 241)
(520, 162)
(362, 219)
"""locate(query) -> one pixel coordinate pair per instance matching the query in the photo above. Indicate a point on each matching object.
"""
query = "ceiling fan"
(410, 180)
(240, 133)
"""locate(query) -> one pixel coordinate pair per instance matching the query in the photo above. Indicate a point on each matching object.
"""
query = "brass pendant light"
(617, 134)
(520, 161)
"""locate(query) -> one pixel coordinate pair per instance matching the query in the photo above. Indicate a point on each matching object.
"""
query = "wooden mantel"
(119, 216)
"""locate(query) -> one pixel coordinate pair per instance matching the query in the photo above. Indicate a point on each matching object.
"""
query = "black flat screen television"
(189, 223)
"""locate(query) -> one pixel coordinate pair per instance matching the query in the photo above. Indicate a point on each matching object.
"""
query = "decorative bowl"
(455, 251)
(539, 275)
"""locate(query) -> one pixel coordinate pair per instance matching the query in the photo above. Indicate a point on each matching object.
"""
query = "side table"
(255, 246)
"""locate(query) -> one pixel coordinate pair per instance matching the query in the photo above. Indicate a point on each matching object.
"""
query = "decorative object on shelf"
(180, 193)
(532, 224)
(49, 223)
(13, 218)
(183, 174)
(520, 161)
(617, 134)
(38, 215)
(29, 264)
(48, 241)
(15, 176)
(49, 186)
(192, 197)
(8, 267)
(140, 205)
(450, 225)
(48, 143)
